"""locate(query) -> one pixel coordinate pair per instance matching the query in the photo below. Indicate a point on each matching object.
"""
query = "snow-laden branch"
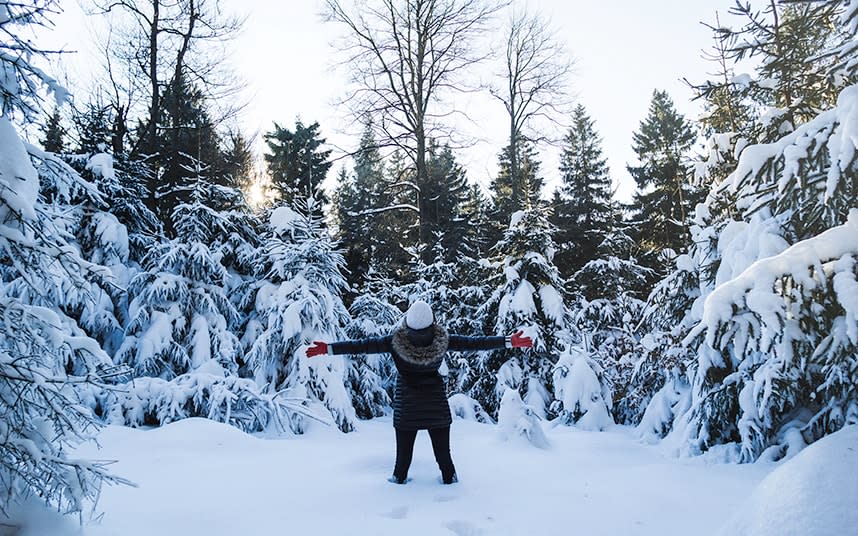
(750, 288)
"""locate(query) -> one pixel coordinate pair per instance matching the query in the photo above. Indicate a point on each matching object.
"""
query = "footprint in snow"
(443, 498)
(463, 528)
(400, 512)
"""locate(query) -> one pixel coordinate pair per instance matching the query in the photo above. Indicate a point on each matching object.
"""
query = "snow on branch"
(752, 289)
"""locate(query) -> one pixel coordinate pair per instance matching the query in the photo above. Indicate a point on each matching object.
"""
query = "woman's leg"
(441, 446)
(404, 451)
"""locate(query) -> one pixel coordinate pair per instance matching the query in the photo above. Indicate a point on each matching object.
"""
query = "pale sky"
(623, 49)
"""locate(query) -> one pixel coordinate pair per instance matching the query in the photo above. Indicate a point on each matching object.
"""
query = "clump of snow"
(761, 275)
(584, 401)
(552, 304)
(516, 218)
(668, 402)
(812, 494)
(101, 165)
(464, 407)
(285, 220)
(518, 421)
(112, 238)
(19, 182)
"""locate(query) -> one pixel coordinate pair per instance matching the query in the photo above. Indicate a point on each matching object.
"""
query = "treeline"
(138, 286)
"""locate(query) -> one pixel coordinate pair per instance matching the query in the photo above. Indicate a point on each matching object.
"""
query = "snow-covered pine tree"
(772, 328)
(528, 296)
(352, 198)
(584, 212)
(190, 139)
(43, 413)
(371, 377)
(607, 312)
(453, 232)
(179, 340)
(54, 133)
(299, 300)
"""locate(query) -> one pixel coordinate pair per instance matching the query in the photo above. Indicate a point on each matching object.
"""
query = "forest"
(142, 284)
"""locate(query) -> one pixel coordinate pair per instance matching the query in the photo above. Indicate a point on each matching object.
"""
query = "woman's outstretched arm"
(460, 343)
(378, 345)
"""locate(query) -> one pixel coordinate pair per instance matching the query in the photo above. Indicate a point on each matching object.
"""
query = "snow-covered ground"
(197, 477)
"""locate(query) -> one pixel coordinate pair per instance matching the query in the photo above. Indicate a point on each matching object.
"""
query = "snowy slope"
(813, 494)
(197, 477)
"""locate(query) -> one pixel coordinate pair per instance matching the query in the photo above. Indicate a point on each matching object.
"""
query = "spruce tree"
(298, 299)
(190, 142)
(759, 299)
(296, 163)
(54, 133)
(529, 296)
(449, 223)
(48, 365)
(507, 199)
(584, 212)
(353, 201)
(665, 198)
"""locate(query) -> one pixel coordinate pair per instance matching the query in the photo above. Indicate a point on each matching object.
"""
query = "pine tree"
(528, 187)
(299, 300)
(665, 197)
(54, 140)
(477, 210)
(446, 206)
(394, 223)
(528, 296)
(583, 213)
(296, 164)
(46, 360)
(353, 200)
(761, 300)
(190, 142)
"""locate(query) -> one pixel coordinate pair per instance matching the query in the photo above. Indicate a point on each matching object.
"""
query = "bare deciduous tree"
(163, 40)
(535, 83)
(404, 57)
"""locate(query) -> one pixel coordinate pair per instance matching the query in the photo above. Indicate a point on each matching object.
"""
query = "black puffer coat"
(420, 401)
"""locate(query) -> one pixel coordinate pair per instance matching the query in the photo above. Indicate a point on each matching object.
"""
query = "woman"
(420, 401)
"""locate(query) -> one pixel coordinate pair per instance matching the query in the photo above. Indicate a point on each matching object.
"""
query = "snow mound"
(814, 493)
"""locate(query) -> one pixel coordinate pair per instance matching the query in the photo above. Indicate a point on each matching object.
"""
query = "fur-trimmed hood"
(430, 355)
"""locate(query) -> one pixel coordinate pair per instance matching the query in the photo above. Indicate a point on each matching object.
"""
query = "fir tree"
(46, 360)
(528, 187)
(298, 300)
(190, 142)
(758, 301)
(583, 210)
(54, 140)
(528, 296)
(296, 164)
(353, 201)
(446, 206)
(665, 198)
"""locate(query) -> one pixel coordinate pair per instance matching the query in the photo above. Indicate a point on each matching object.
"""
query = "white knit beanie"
(419, 315)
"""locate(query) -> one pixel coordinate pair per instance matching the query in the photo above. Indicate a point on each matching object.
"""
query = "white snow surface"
(813, 494)
(198, 477)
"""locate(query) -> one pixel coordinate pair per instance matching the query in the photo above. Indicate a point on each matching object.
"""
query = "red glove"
(517, 341)
(318, 348)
